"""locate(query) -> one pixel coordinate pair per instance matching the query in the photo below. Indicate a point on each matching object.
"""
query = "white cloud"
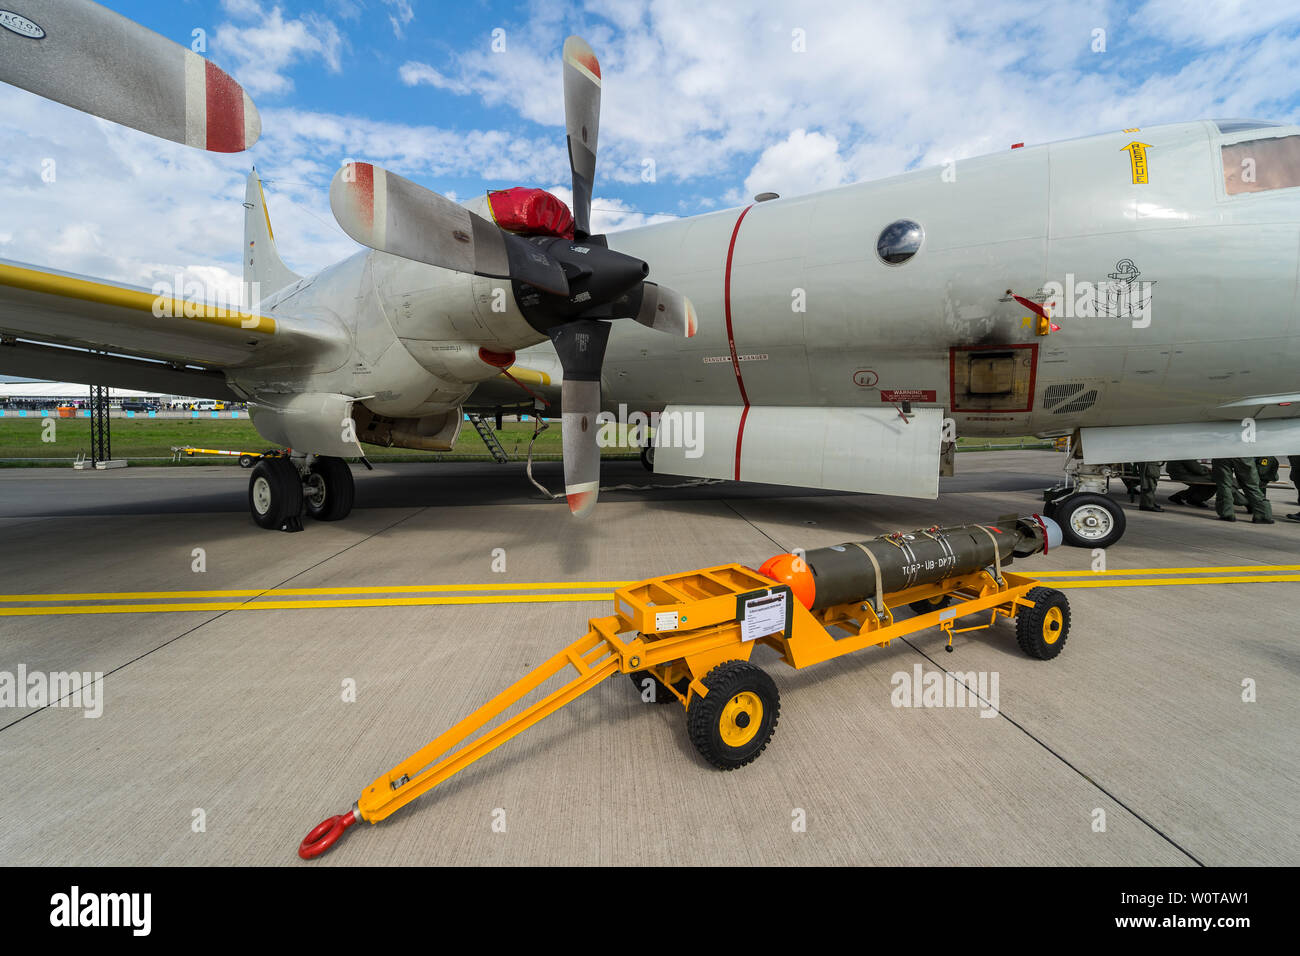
(610, 215)
(1212, 24)
(260, 53)
(709, 91)
(401, 15)
(496, 156)
(801, 163)
(414, 73)
(244, 9)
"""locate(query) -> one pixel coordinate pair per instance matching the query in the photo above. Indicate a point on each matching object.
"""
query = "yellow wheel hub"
(741, 718)
(1053, 620)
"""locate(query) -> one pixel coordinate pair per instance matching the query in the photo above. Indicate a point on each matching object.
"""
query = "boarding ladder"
(489, 437)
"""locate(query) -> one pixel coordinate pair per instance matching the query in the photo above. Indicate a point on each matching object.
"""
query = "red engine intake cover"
(530, 212)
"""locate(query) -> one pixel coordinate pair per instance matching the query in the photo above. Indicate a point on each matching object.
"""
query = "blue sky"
(721, 99)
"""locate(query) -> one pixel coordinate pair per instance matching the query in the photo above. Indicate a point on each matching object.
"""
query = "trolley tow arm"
(595, 657)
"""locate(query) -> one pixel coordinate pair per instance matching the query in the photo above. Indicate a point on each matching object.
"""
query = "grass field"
(139, 439)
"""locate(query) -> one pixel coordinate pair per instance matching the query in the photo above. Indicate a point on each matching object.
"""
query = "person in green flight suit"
(1150, 472)
(1267, 467)
(1197, 478)
(1246, 475)
(1295, 480)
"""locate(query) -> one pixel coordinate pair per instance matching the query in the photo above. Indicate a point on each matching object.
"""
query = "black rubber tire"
(1084, 505)
(280, 499)
(648, 458)
(246, 461)
(338, 489)
(930, 604)
(1034, 626)
(704, 715)
(662, 695)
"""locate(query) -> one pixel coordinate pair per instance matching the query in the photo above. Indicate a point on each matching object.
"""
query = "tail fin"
(264, 271)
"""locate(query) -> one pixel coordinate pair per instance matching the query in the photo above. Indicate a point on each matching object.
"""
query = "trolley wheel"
(246, 461)
(1041, 631)
(1090, 521)
(648, 458)
(328, 490)
(662, 695)
(731, 726)
(275, 494)
(926, 605)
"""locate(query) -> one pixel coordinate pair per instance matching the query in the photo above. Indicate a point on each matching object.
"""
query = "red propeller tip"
(581, 502)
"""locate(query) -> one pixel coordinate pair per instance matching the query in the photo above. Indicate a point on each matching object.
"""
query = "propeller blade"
(86, 56)
(382, 210)
(666, 310)
(581, 347)
(582, 123)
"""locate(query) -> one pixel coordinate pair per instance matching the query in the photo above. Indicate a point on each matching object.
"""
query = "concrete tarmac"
(1133, 747)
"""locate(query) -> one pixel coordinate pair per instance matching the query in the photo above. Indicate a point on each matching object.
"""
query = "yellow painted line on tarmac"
(1099, 579)
(254, 592)
(304, 605)
(1160, 582)
(529, 586)
(1131, 571)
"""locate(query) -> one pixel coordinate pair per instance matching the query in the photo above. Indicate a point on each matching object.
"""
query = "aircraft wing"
(66, 327)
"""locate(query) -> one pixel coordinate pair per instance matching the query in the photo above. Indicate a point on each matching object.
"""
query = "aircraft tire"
(1090, 521)
(329, 490)
(275, 493)
(648, 458)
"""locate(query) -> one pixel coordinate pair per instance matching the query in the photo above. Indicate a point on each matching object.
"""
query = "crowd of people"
(1232, 482)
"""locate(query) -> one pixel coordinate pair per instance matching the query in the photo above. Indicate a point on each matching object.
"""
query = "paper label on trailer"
(665, 620)
(763, 616)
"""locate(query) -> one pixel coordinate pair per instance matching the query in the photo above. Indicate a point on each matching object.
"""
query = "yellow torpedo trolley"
(687, 639)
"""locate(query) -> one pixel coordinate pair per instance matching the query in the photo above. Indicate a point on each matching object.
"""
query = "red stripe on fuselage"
(731, 336)
(225, 109)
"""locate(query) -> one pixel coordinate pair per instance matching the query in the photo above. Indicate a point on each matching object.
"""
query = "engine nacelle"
(316, 422)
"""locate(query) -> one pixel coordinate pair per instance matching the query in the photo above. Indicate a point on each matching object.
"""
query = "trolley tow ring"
(325, 833)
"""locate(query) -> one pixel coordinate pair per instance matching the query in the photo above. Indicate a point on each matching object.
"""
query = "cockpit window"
(1241, 125)
(1257, 165)
(899, 241)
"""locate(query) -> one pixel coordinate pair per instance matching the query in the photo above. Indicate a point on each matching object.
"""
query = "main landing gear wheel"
(926, 605)
(328, 490)
(1041, 631)
(731, 726)
(275, 495)
(1089, 520)
(648, 458)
